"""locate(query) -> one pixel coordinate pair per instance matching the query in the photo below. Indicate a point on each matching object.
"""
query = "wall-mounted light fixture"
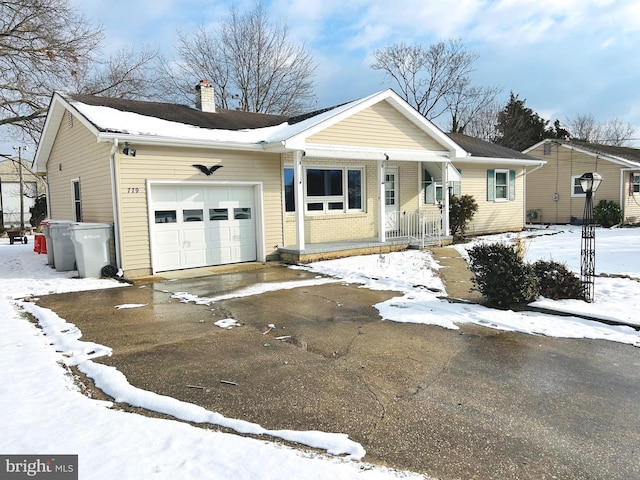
(127, 150)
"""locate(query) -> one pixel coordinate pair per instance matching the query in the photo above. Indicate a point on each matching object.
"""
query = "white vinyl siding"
(381, 126)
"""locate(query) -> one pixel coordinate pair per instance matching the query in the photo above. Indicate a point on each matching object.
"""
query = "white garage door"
(197, 226)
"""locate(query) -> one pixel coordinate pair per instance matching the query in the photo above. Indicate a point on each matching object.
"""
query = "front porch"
(315, 252)
(402, 230)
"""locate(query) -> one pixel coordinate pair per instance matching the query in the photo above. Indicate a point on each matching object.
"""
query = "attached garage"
(198, 225)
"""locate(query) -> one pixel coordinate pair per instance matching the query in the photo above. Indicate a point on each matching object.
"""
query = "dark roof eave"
(482, 149)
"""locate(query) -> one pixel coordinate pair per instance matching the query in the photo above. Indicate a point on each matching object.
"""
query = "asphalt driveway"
(472, 403)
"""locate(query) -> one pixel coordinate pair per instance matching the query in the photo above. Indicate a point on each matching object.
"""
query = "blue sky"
(565, 57)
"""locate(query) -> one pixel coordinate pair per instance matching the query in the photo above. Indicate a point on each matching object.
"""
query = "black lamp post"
(589, 183)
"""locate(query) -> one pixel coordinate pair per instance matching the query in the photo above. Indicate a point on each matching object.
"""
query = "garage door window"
(242, 213)
(192, 215)
(218, 214)
(166, 216)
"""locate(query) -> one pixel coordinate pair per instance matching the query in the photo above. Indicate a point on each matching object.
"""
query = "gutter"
(537, 167)
(114, 199)
(500, 161)
(181, 142)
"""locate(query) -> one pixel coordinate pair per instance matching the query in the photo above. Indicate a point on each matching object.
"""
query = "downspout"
(114, 199)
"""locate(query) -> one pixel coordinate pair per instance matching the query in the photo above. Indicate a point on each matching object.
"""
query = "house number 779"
(133, 190)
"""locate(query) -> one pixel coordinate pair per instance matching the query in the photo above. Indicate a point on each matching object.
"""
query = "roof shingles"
(222, 119)
(481, 148)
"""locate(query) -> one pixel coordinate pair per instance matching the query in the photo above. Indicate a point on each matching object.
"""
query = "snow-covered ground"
(43, 412)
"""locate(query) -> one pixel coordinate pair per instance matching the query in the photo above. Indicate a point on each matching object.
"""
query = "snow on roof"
(112, 120)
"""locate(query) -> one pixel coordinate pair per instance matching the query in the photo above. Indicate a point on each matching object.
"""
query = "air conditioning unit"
(534, 214)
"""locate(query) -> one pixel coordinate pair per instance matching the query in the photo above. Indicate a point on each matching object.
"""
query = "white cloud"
(565, 57)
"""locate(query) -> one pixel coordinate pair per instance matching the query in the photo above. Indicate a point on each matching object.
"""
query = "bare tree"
(47, 46)
(614, 132)
(128, 73)
(469, 106)
(43, 44)
(483, 124)
(250, 61)
(584, 127)
(436, 80)
(200, 56)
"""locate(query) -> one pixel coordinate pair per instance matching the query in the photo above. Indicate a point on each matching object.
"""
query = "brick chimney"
(205, 97)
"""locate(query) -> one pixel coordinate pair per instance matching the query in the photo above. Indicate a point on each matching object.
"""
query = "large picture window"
(327, 190)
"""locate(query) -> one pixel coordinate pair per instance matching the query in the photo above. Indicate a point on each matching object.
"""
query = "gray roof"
(481, 148)
(626, 153)
(222, 119)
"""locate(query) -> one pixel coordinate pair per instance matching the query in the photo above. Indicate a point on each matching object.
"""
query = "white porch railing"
(422, 228)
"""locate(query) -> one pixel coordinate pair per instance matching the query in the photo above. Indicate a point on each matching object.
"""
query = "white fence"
(422, 228)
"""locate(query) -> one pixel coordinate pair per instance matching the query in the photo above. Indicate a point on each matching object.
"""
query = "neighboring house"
(554, 194)
(189, 187)
(496, 177)
(32, 187)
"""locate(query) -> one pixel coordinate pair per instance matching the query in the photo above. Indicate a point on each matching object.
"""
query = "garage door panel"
(192, 238)
(164, 194)
(221, 233)
(190, 195)
(168, 238)
(216, 195)
(220, 256)
(194, 258)
(167, 260)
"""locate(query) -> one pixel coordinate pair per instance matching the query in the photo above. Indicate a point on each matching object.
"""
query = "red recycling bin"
(40, 243)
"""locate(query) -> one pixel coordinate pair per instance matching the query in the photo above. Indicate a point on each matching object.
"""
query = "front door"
(391, 203)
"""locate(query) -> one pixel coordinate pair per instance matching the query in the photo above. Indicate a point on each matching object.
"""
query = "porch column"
(299, 199)
(445, 198)
(382, 234)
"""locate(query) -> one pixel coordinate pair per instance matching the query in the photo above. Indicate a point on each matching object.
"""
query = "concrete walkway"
(455, 273)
